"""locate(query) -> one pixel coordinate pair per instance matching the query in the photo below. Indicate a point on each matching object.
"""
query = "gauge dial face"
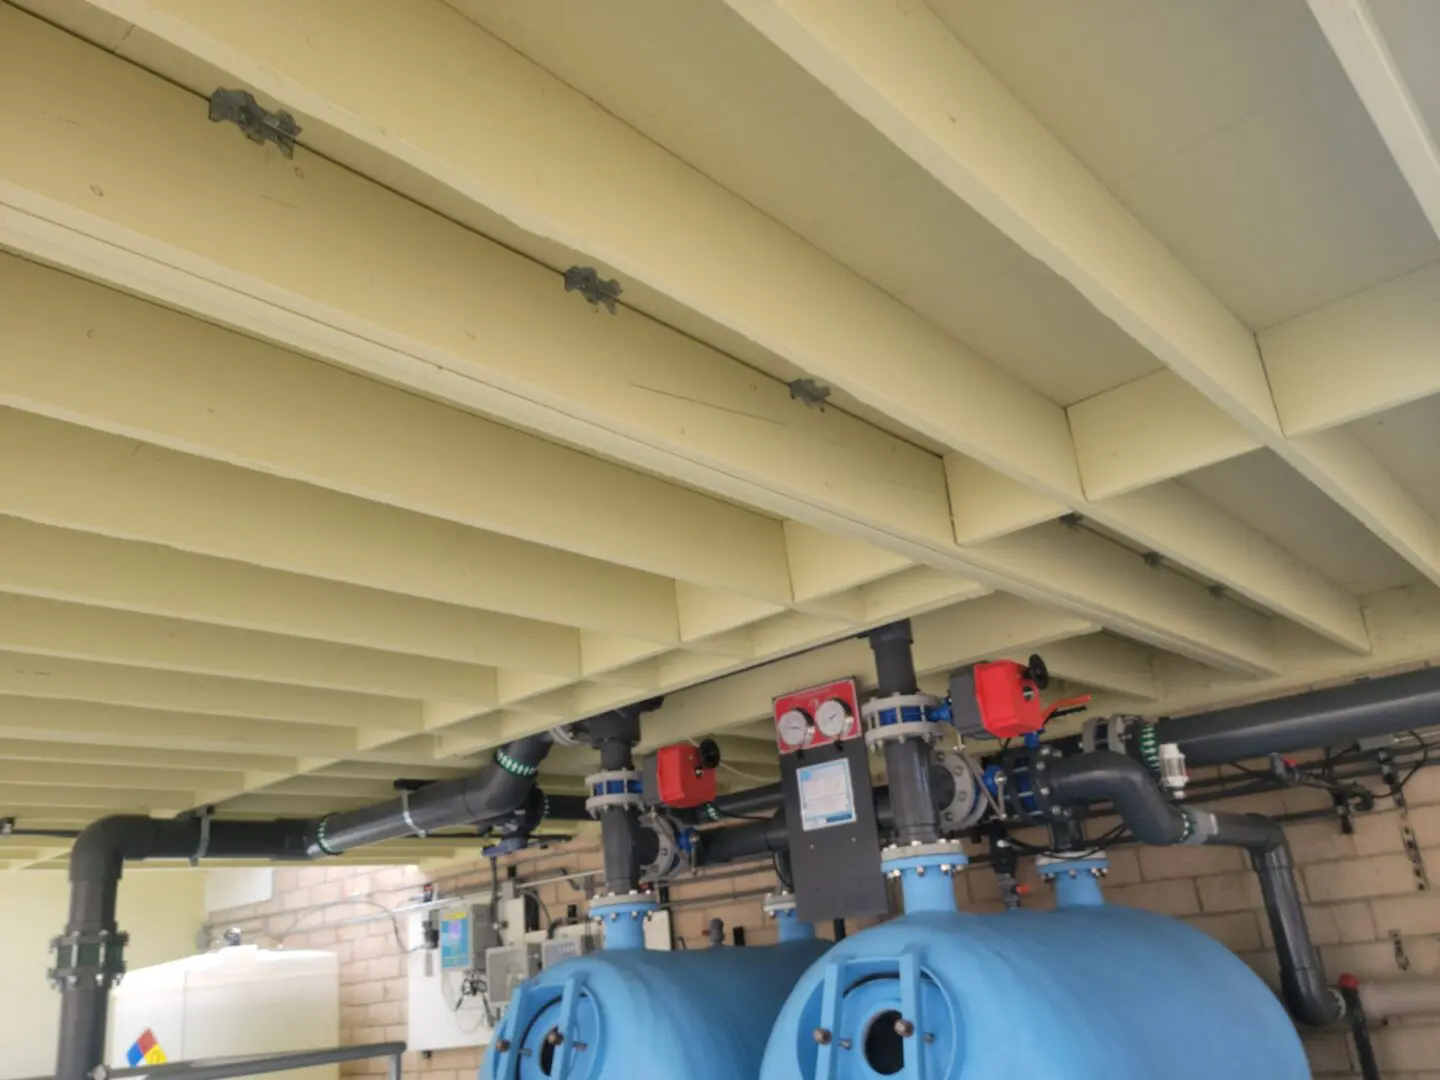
(793, 728)
(832, 718)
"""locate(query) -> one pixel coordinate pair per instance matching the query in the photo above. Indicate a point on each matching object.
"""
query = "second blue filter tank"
(1088, 992)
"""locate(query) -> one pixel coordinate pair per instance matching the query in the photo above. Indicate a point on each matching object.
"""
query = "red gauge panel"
(818, 716)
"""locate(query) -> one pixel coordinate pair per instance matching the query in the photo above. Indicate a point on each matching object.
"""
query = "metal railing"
(254, 1064)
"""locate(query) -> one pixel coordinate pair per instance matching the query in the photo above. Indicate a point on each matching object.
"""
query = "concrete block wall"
(1365, 910)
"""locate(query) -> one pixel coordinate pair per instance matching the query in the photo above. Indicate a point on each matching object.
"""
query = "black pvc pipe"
(1318, 718)
(1126, 784)
(740, 843)
(90, 953)
(760, 800)
(480, 799)
(907, 761)
(1123, 782)
(565, 808)
(614, 735)
(1302, 976)
(1359, 1029)
(894, 660)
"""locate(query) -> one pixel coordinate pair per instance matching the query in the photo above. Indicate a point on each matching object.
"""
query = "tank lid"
(888, 1013)
(550, 1032)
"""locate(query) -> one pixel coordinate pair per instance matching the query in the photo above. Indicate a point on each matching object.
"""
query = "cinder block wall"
(1365, 911)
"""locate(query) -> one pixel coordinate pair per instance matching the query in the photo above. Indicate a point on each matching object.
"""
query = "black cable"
(1096, 846)
(1398, 790)
(775, 861)
(712, 808)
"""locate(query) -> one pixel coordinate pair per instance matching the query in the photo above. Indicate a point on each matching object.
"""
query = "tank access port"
(865, 1031)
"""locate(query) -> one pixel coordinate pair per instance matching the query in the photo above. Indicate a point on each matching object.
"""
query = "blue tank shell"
(1087, 993)
(701, 1014)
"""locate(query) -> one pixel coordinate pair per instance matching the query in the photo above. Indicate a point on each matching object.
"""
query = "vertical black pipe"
(90, 952)
(907, 761)
(615, 735)
(85, 996)
(1359, 1028)
(1302, 977)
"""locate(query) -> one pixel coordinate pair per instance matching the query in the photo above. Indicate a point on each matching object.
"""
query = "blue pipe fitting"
(623, 919)
(1077, 881)
(783, 909)
(926, 873)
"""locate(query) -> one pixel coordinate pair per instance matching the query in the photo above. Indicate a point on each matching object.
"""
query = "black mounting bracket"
(587, 282)
(809, 392)
(240, 108)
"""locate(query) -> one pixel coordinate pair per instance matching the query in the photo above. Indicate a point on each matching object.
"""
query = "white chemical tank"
(239, 1000)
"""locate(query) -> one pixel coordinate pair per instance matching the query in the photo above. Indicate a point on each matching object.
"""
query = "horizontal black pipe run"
(1304, 721)
(90, 957)
(480, 799)
(1127, 785)
(760, 800)
(90, 952)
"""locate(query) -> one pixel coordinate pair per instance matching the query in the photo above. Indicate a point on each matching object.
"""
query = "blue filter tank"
(628, 1013)
(1086, 992)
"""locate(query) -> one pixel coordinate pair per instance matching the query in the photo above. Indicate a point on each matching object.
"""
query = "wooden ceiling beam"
(93, 481)
(1359, 356)
(49, 676)
(197, 388)
(93, 725)
(903, 71)
(1358, 41)
(88, 568)
(411, 298)
(200, 762)
(54, 628)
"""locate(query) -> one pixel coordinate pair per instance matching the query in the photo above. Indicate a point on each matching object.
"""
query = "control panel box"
(465, 935)
(509, 966)
(555, 950)
(825, 776)
(819, 716)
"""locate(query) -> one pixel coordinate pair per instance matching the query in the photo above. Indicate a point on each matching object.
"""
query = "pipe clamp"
(405, 813)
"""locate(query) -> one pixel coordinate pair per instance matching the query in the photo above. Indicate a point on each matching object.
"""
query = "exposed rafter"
(622, 386)
(1351, 29)
(1357, 357)
(902, 70)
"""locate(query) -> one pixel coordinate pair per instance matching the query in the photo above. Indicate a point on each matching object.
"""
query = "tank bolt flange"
(554, 1038)
(502, 1046)
(904, 1028)
(823, 1036)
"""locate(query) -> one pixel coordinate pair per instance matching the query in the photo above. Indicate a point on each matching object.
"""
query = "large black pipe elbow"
(1104, 776)
(481, 799)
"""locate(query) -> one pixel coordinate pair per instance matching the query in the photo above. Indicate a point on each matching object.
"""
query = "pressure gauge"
(832, 718)
(793, 728)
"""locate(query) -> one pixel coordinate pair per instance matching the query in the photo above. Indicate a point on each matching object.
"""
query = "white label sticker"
(826, 797)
